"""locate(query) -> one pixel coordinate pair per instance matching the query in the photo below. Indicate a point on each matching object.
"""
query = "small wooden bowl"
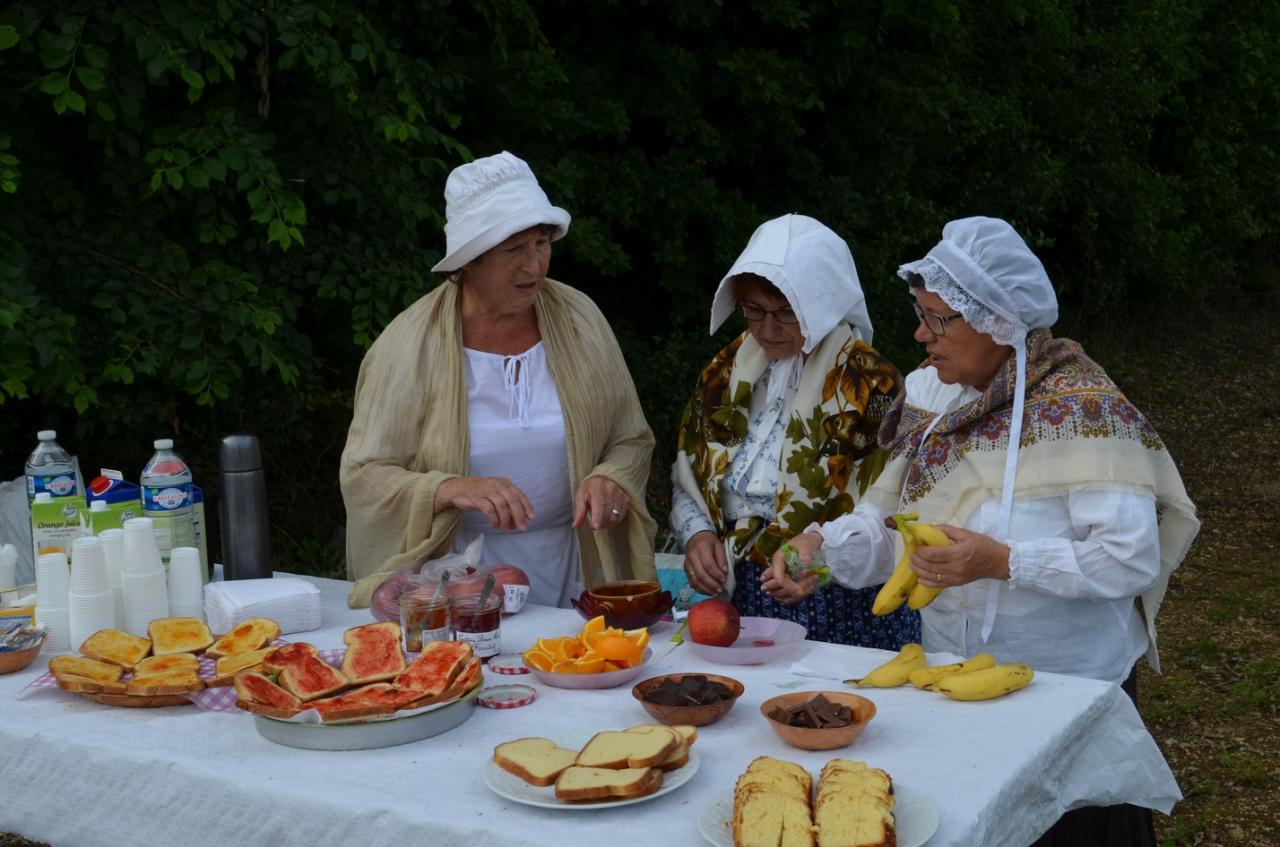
(691, 715)
(830, 738)
(19, 659)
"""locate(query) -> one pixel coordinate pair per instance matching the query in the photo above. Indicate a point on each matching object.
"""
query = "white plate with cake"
(915, 819)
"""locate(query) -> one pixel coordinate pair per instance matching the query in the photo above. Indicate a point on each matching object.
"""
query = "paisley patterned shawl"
(831, 425)
(1079, 433)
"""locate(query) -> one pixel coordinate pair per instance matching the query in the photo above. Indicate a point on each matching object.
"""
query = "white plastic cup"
(141, 552)
(113, 553)
(88, 613)
(8, 574)
(89, 571)
(145, 599)
(52, 580)
(55, 621)
(186, 583)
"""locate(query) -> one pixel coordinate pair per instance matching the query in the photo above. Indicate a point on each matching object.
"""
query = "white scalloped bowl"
(581, 681)
(760, 641)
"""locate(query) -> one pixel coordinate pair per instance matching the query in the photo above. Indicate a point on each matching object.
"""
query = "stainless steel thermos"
(242, 505)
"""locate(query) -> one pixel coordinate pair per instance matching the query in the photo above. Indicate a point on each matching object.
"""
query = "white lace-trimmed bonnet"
(985, 271)
(488, 201)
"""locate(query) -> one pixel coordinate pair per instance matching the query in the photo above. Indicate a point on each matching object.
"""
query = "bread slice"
(680, 755)
(252, 634)
(178, 635)
(578, 784)
(357, 704)
(279, 658)
(770, 765)
(763, 818)
(627, 749)
(255, 693)
(226, 668)
(435, 668)
(854, 807)
(176, 682)
(115, 646)
(311, 678)
(85, 685)
(373, 653)
(163, 665)
(62, 666)
(538, 761)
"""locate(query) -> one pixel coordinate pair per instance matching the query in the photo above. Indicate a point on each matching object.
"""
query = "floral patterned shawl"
(832, 421)
(1079, 433)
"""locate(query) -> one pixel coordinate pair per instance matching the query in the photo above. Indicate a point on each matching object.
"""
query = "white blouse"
(517, 432)
(1076, 565)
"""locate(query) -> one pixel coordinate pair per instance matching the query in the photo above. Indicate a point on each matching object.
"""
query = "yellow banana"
(895, 671)
(927, 535)
(903, 580)
(928, 677)
(986, 684)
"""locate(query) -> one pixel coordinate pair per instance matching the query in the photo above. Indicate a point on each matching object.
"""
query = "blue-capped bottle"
(50, 468)
(167, 498)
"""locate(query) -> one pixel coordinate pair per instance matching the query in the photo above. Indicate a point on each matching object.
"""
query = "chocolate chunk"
(816, 713)
(691, 690)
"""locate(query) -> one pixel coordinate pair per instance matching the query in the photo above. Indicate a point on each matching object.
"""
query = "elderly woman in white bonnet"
(779, 426)
(499, 405)
(1063, 505)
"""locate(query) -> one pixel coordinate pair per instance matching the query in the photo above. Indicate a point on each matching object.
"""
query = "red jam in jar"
(481, 626)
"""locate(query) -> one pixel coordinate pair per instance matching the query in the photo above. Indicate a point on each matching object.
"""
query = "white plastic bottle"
(50, 468)
(167, 499)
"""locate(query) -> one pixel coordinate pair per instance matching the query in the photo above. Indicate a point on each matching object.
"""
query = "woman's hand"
(705, 564)
(498, 499)
(971, 556)
(778, 584)
(602, 500)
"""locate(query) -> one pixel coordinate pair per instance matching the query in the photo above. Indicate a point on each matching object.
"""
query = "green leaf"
(8, 36)
(60, 103)
(198, 177)
(192, 77)
(105, 111)
(91, 78)
(175, 178)
(53, 57)
(95, 57)
(157, 180)
(359, 52)
(76, 101)
(55, 83)
(215, 167)
(276, 230)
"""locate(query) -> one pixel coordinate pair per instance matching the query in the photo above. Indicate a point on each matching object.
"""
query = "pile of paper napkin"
(292, 603)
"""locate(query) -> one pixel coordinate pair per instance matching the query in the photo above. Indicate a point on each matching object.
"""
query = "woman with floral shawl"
(1066, 512)
(782, 426)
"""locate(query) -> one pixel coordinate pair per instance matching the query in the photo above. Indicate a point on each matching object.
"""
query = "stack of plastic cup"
(113, 552)
(186, 584)
(146, 597)
(52, 583)
(90, 601)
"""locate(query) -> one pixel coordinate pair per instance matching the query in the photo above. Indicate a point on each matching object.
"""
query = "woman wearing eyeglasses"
(779, 428)
(1063, 505)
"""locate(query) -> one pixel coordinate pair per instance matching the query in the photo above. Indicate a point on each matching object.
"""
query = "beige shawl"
(409, 434)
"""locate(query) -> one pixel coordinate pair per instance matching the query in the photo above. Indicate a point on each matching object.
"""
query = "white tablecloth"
(998, 772)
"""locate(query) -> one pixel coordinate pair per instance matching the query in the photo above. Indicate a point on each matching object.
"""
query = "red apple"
(714, 622)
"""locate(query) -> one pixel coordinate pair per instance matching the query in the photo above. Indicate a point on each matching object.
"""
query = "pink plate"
(759, 641)
(608, 679)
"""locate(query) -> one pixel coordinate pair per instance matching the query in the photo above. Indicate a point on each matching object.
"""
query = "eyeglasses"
(937, 323)
(754, 313)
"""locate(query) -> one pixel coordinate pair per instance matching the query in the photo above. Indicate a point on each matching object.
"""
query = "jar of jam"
(481, 626)
(423, 619)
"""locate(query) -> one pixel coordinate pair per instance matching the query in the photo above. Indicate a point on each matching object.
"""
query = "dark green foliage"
(209, 209)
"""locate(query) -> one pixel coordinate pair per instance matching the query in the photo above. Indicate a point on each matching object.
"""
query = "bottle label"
(58, 486)
(166, 499)
(483, 644)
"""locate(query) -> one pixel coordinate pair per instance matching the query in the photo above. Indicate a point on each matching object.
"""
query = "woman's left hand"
(971, 556)
(602, 500)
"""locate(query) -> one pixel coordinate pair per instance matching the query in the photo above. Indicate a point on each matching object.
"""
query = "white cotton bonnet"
(814, 270)
(488, 201)
(985, 271)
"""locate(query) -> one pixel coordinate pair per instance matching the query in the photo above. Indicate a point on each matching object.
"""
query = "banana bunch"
(897, 670)
(902, 585)
(928, 677)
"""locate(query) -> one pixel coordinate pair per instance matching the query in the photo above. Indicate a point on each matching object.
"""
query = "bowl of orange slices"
(598, 656)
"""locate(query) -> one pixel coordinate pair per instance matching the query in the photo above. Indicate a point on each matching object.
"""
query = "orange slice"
(538, 660)
(595, 665)
(619, 649)
(613, 666)
(638, 637)
(566, 666)
(550, 646)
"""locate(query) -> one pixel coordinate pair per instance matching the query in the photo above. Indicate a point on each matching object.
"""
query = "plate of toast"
(856, 802)
(583, 771)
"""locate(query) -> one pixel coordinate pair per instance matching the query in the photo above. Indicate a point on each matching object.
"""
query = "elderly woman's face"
(961, 354)
(780, 340)
(507, 278)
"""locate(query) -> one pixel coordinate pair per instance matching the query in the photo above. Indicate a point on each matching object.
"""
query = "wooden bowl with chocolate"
(818, 720)
(696, 699)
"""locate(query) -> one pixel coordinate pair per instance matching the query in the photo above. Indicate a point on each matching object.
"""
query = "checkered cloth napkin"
(220, 699)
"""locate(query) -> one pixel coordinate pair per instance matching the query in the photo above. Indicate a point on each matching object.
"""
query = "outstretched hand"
(498, 499)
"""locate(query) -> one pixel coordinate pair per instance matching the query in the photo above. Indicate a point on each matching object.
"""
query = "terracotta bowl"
(692, 715)
(628, 604)
(820, 739)
(19, 659)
